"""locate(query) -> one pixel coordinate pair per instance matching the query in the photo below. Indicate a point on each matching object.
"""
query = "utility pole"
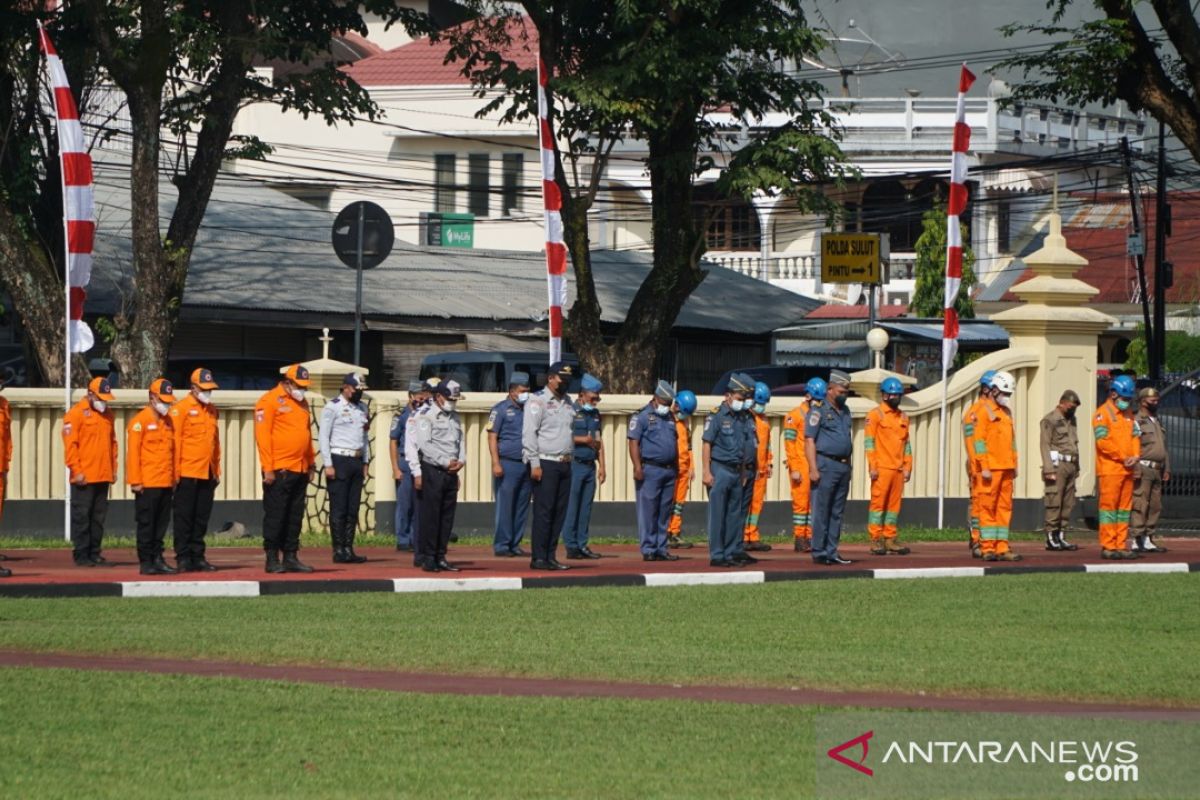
(1162, 278)
(1139, 257)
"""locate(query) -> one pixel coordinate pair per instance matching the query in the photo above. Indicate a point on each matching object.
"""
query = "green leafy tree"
(183, 70)
(929, 294)
(1183, 353)
(1111, 56)
(650, 71)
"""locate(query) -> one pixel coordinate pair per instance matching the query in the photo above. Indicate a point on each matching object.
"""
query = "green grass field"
(101, 735)
(1060, 636)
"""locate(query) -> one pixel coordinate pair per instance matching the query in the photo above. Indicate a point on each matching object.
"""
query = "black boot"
(5, 573)
(273, 565)
(1052, 542)
(348, 546)
(163, 566)
(1062, 542)
(339, 542)
(292, 563)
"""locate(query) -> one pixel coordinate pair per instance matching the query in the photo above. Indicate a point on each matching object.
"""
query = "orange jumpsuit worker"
(283, 433)
(889, 463)
(90, 450)
(1117, 452)
(6, 450)
(969, 418)
(995, 455)
(762, 468)
(150, 473)
(685, 406)
(797, 466)
(197, 470)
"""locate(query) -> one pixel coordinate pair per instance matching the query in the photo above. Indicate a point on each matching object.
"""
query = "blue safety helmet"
(1124, 387)
(762, 393)
(686, 400)
(986, 380)
(817, 388)
(891, 386)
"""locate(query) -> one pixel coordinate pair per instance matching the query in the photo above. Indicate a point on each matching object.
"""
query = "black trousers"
(550, 496)
(152, 513)
(436, 503)
(89, 507)
(193, 506)
(283, 511)
(345, 495)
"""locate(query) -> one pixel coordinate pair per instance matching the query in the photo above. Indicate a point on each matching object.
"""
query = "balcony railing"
(800, 266)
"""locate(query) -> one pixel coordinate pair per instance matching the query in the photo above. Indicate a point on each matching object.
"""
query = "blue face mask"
(588, 407)
(1123, 404)
(737, 405)
(523, 397)
(759, 408)
(662, 411)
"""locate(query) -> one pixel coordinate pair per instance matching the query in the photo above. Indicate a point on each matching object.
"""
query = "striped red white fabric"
(556, 249)
(79, 214)
(954, 208)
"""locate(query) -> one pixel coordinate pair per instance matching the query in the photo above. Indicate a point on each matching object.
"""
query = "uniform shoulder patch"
(633, 422)
(814, 418)
(137, 426)
(259, 415)
(66, 428)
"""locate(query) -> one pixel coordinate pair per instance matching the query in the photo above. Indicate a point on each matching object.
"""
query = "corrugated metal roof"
(972, 332)
(262, 249)
(816, 347)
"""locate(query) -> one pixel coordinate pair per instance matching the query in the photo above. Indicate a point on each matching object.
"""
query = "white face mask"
(523, 397)
(297, 393)
(204, 397)
(100, 406)
(662, 411)
(449, 406)
(1002, 399)
(736, 405)
(160, 407)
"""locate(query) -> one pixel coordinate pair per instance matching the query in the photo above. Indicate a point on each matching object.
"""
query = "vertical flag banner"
(79, 215)
(956, 206)
(556, 250)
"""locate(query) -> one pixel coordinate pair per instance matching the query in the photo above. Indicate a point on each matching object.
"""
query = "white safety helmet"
(1004, 382)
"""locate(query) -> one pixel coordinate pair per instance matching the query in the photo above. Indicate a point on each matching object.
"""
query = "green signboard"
(449, 230)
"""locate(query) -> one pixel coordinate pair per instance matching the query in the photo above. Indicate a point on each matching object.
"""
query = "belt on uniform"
(1152, 464)
(1067, 458)
(839, 459)
(348, 453)
(665, 464)
(560, 458)
(430, 465)
(736, 464)
(588, 461)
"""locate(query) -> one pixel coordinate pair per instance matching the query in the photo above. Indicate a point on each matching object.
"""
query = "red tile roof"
(422, 63)
(838, 311)
(1099, 231)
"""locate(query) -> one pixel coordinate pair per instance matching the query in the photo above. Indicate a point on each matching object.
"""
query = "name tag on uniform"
(194, 412)
(151, 427)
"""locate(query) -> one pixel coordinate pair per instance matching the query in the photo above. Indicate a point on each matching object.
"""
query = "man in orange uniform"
(685, 406)
(994, 448)
(797, 466)
(90, 450)
(889, 464)
(283, 433)
(6, 449)
(150, 473)
(969, 419)
(762, 468)
(1117, 452)
(197, 470)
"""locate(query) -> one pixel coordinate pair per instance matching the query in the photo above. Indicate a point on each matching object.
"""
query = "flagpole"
(942, 451)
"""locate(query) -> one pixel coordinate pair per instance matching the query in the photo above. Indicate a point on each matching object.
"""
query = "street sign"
(850, 258)
(373, 228)
(444, 229)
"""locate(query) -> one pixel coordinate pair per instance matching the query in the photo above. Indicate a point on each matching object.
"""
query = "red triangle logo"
(836, 753)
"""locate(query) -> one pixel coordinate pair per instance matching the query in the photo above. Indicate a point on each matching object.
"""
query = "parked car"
(479, 371)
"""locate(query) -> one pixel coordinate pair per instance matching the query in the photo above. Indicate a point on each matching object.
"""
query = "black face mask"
(894, 402)
(840, 400)
(1069, 413)
(356, 395)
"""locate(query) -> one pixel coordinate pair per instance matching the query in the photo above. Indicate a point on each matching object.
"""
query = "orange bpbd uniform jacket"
(970, 421)
(762, 427)
(793, 440)
(150, 451)
(90, 443)
(197, 440)
(6, 442)
(1116, 440)
(684, 454)
(886, 439)
(282, 432)
(995, 441)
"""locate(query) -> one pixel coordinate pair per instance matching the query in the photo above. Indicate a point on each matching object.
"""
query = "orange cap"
(203, 378)
(101, 388)
(297, 374)
(163, 390)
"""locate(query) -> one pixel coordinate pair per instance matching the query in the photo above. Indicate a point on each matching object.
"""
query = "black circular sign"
(378, 235)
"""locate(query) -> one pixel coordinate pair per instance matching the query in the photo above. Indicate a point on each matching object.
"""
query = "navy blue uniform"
(406, 494)
(658, 446)
(733, 444)
(829, 426)
(583, 480)
(514, 488)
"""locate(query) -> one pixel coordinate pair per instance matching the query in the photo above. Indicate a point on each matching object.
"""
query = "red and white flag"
(556, 250)
(79, 214)
(956, 206)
